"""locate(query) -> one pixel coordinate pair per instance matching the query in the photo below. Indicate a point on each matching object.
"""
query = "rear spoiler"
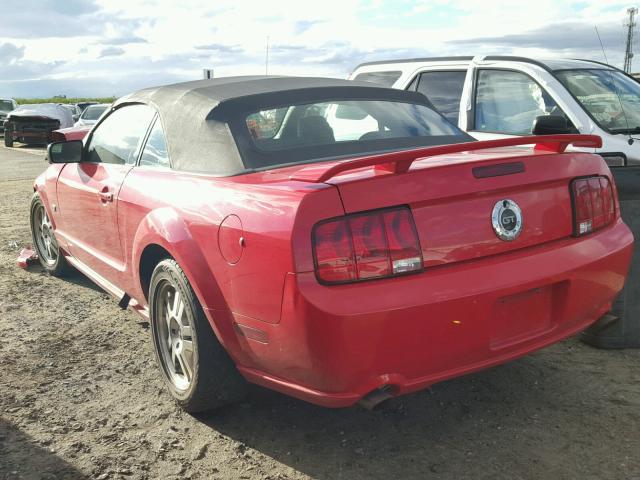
(400, 162)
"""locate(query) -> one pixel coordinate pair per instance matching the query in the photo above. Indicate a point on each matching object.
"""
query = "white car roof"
(547, 64)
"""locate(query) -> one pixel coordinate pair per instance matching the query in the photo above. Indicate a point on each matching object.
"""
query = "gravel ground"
(81, 397)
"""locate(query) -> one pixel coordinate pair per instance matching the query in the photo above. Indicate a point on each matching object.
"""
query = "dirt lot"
(80, 397)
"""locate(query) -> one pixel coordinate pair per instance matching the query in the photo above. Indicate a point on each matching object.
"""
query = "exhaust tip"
(373, 400)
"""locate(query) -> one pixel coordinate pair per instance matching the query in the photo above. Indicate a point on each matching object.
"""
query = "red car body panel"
(71, 133)
(244, 243)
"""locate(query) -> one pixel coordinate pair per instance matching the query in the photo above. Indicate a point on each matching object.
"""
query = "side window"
(444, 90)
(386, 79)
(155, 150)
(117, 139)
(508, 102)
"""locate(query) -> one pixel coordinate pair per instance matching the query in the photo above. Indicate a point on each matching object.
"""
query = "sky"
(112, 47)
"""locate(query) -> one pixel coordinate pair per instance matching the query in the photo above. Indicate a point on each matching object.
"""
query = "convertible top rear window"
(293, 134)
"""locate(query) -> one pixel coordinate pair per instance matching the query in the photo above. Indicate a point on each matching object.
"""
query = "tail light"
(362, 246)
(593, 203)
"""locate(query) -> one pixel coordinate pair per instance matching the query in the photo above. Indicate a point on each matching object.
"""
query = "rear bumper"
(25, 133)
(44, 136)
(334, 345)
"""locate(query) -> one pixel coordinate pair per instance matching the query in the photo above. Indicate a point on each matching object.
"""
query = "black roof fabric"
(218, 90)
(198, 142)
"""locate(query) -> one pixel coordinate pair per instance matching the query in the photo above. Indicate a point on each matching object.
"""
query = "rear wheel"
(44, 240)
(8, 138)
(198, 371)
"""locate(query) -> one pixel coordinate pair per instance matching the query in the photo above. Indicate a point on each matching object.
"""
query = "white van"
(500, 96)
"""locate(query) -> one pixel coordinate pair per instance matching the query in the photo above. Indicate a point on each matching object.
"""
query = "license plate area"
(522, 316)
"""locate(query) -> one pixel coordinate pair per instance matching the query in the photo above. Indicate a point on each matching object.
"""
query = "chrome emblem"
(507, 220)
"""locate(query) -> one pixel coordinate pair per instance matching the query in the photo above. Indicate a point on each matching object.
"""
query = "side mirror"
(65, 152)
(550, 125)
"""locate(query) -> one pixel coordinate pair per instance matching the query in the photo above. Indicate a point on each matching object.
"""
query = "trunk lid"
(453, 197)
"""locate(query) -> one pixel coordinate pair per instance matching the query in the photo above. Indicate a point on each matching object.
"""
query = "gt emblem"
(507, 220)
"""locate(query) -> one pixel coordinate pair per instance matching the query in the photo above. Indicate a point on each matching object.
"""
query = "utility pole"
(628, 54)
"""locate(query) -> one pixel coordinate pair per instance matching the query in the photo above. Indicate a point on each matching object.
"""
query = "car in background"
(333, 240)
(83, 105)
(501, 96)
(33, 124)
(6, 105)
(73, 108)
(91, 114)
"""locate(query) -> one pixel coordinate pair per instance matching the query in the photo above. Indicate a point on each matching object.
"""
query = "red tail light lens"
(593, 203)
(366, 245)
(333, 245)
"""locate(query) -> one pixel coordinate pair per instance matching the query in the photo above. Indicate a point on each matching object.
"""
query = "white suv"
(499, 96)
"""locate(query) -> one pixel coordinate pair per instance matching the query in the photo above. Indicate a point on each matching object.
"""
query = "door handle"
(105, 195)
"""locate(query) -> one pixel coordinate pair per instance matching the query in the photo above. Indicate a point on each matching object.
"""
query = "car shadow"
(28, 146)
(81, 280)
(21, 458)
(74, 276)
(463, 428)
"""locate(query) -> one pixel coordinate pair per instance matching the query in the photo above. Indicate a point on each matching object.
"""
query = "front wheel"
(44, 240)
(198, 371)
(8, 138)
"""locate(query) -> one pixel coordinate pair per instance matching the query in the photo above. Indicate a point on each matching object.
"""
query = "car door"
(87, 192)
(506, 102)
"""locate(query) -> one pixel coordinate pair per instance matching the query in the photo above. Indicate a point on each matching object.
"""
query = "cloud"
(45, 18)
(28, 19)
(68, 7)
(104, 47)
(123, 40)
(111, 52)
(220, 48)
(302, 26)
(9, 53)
(15, 67)
(557, 36)
(339, 55)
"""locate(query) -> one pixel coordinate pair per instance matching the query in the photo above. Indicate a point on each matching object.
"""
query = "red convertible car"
(333, 240)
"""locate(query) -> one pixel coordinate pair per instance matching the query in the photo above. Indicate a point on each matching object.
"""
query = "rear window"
(93, 112)
(299, 133)
(385, 79)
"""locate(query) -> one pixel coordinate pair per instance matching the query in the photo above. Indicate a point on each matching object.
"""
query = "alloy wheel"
(174, 336)
(45, 239)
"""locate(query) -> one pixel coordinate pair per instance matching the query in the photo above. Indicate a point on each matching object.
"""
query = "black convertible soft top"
(196, 115)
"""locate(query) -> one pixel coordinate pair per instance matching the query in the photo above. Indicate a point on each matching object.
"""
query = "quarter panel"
(183, 212)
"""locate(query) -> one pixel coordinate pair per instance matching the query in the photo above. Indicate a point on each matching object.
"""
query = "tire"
(198, 371)
(44, 240)
(8, 138)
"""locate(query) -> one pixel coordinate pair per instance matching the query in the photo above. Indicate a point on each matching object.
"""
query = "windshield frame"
(251, 155)
(581, 105)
